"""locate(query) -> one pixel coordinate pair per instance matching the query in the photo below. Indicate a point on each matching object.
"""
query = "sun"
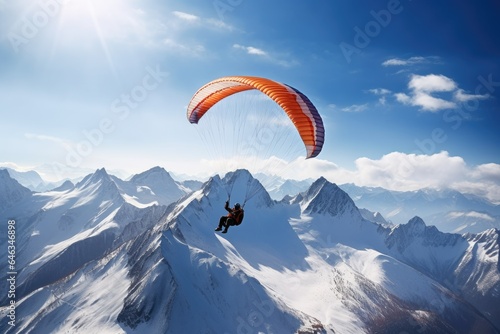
(87, 23)
(109, 16)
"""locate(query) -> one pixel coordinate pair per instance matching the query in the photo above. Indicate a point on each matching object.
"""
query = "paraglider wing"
(297, 106)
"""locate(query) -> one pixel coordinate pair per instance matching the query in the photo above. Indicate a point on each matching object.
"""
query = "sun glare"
(108, 20)
(88, 23)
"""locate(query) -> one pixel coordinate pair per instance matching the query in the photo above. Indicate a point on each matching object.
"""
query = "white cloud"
(431, 83)
(205, 22)
(393, 62)
(403, 98)
(219, 24)
(382, 92)
(423, 87)
(429, 102)
(461, 96)
(398, 171)
(183, 34)
(279, 59)
(488, 171)
(285, 62)
(59, 141)
(395, 171)
(15, 166)
(184, 48)
(251, 50)
(408, 172)
(186, 16)
(471, 214)
(191, 20)
(379, 91)
(410, 61)
(355, 108)
(256, 51)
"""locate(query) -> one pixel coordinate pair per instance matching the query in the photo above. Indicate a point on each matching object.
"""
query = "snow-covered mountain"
(11, 191)
(62, 229)
(278, 187)
(448, 210)
(97, 259)
(375, 217)
(192, 185)
(154, 186)
(30, 179)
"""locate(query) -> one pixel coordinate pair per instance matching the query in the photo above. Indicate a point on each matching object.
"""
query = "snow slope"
(60, 230)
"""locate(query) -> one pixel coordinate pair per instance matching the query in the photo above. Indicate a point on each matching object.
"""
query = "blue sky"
(408, 90)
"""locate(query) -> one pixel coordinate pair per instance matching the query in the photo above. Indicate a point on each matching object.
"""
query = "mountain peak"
(321, 179)
(414, 228)
(326, 197)
(417, 225)
(67, 185)
(11, 191)
(4, 174)
(156, 184)
(99, 175)
(240, 186)
(238, 173)
(100, 179)
(7, 180)
(245, 187)
(402, 236)
(323, 183)
(153, 173)
(29, 179)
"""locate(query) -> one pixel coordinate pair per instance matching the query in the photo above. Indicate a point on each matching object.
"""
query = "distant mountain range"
(106, 255)
(448, 210)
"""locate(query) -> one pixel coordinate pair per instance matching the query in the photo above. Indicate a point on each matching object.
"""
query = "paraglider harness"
(236, 215)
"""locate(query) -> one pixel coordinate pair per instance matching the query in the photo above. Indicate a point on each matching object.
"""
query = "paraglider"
(297, 106)
(301, 112)
(234, 217)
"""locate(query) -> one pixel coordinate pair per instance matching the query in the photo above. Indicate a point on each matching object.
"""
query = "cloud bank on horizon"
(89, 84)
(394, 171)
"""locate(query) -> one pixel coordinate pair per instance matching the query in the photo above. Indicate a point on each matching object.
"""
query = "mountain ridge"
(449, 210)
